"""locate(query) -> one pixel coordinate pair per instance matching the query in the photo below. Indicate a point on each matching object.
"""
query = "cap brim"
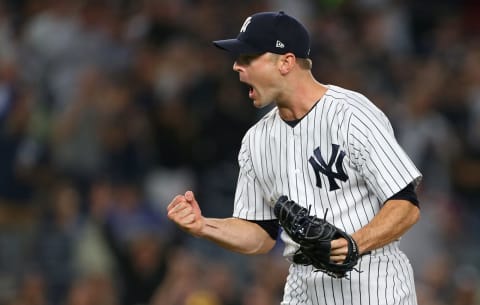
(236, 46)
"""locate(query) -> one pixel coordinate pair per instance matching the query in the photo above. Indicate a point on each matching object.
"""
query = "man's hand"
(339, 250)
(185, 212)
(315, 237)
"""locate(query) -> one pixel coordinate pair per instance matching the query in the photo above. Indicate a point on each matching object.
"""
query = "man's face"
(259, 72)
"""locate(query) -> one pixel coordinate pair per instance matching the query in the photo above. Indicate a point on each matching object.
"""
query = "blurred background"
(109, 108)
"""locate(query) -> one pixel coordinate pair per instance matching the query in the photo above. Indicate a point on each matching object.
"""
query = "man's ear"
(286, 63)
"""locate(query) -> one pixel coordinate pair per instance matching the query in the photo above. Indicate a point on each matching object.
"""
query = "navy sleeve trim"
(408, 193)
(270, 226)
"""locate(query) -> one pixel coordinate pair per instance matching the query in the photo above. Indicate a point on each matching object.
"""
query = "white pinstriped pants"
(385, 278)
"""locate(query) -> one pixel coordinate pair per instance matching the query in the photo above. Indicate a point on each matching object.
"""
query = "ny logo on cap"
(245, 24)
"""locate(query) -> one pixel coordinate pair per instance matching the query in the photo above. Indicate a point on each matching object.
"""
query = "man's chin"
(261, 104)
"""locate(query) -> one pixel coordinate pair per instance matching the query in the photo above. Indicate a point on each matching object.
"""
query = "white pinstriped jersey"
(341, 156)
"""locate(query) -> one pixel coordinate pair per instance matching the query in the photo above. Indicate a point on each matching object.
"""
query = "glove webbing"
(306, 261)
(297, 223)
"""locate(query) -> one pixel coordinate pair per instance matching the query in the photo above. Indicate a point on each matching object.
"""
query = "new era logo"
(279, 44)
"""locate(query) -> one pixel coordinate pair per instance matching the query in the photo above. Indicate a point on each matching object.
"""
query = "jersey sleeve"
(250, 200)
(378, 156)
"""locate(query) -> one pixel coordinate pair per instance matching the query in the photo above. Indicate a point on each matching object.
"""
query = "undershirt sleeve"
(408, 193)
(270, 226)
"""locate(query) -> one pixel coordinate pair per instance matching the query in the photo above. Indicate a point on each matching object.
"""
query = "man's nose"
(236, 67)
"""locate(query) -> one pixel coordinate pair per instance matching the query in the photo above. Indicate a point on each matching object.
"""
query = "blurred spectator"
(92, 253)
(16, 153)
(107, 106)
(425, 134)
(181, 279)
(266, 287)
(56, 236)
(32, 291)
(135, 237)
(93, 289)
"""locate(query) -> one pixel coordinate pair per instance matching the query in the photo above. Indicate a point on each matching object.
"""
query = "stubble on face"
(261, 81)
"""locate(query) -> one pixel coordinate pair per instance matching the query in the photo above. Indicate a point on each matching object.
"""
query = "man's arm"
(392, 221)
(234, 234)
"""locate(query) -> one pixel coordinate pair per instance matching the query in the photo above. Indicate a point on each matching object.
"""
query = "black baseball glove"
(314, 236)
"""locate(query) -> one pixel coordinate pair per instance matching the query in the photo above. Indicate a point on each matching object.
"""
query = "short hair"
(305, 63)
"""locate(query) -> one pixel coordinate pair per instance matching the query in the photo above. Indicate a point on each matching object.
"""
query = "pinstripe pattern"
(274, 160)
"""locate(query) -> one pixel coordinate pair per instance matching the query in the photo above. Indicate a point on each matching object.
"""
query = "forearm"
(393, 220)
(237, 235)
(234, 234)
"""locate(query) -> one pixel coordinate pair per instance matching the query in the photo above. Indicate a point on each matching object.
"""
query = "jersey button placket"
(295, 165)
(290, 166)
(300, 160)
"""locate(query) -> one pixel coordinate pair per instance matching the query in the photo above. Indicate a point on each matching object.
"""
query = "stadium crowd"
(108, 108)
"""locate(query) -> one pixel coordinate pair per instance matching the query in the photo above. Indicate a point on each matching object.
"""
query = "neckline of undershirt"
(293, 123)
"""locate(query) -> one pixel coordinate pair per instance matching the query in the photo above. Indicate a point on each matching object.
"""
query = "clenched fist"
(185, 212)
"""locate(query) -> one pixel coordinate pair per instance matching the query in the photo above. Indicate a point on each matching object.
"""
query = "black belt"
(302, 259)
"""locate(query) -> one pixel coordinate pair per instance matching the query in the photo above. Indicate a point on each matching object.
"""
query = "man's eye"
(247, 59)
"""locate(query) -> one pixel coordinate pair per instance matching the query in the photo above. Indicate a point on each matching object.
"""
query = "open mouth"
(250, 91)
(250, 88)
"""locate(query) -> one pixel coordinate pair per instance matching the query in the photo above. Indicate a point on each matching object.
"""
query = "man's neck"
(300, 99)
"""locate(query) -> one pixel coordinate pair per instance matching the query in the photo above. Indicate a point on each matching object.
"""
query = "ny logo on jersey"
(319, 166)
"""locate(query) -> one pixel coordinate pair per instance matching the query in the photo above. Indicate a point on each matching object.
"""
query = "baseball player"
(325, 147)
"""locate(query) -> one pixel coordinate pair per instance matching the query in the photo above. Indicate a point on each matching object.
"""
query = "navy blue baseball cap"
(274, 32)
